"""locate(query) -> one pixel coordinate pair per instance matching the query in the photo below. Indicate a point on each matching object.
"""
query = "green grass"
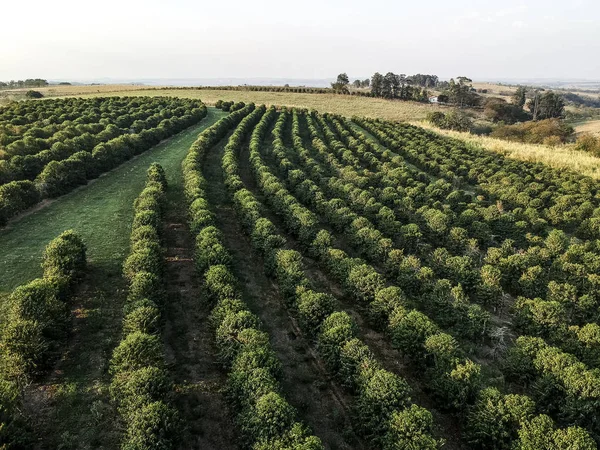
(101, 212)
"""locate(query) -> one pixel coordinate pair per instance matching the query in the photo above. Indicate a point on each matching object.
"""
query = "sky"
(135, 39)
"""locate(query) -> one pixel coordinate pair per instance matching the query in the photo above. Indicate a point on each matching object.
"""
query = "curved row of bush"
(265, 419)
(560, 382)
(60, 177)
(141, 387)
(384, 413)
(455, 381)
(446, 303)
(559, 197)
(35, 328)
(552, 317)
(32, 154)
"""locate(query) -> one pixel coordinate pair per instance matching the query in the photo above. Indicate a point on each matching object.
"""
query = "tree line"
(29, 82)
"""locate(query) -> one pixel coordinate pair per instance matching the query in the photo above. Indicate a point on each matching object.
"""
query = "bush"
(157, 173)
(153, 426)
(136, 351)
(145, 285)
(537, 132)
(495, 419)
(133, 389)
(336, 330)
(33, 94)
(588, 143)
(145, 259)
(313, 308)
(16, 197)
(65, 256)
(269, 418)
(39, 301)
(411, 429)
(382, 395)
(220, 283)
(455, 120)
(143, 319)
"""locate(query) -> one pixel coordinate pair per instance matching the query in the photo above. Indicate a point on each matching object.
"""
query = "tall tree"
(341, 84)
(519, 96)
(377, 84)
(548, 105)
(391, 85)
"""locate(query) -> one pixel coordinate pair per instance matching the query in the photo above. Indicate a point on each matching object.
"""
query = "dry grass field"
(560, 157)
(592, 127)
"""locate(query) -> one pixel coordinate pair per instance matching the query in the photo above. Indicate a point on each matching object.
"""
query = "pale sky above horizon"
(75, 40)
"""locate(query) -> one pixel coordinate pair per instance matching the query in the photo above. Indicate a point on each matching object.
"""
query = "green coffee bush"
(136, 351)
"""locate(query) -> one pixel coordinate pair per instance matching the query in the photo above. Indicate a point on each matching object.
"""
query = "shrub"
(220, 282)
(494, 420)
(268, 419)
(33, 94)
(145, 259)
(24, 344)
(144, 233)
(145, 285)
(382, 394)
(143, 319)
(146, 217)
(136, 351)
(313, 308)
(157, 173)
(535, 132)
(15, 197)
(227, 335)
(336, 330)
(65, 256)
(39, 301)
(411, 428)
(454, 120)
(133, 389)
(153, 426)
(244, 388)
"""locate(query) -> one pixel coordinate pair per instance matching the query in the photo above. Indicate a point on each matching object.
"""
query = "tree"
(519, 96)
(498, 110)
(460, 93)
(377, 84)
(357, 84)
(366, 83)
(548, 105)
(391, 85)
(341, 85)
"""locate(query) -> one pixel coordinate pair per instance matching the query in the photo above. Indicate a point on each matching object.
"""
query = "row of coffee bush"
(265, 419)
(34, 330)
(384, 413)
(60, 177)
(141, 387)
(454, 380)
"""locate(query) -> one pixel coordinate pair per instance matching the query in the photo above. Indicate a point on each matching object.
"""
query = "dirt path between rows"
(189, 341)
(305, 382)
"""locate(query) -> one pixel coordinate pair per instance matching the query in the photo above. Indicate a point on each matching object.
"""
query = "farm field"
(270, 277)
(339, 104)
(564, 156)
(592, 127)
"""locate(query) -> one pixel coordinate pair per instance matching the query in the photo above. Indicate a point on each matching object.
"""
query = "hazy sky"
(68, 39)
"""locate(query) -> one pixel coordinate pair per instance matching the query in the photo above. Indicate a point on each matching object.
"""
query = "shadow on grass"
(70, 408)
